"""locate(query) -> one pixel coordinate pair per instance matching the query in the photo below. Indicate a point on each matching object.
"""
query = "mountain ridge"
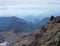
(7, 23)
(50, 34)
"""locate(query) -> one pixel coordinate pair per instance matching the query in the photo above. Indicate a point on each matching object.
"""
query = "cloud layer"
(26, 7)
(2, 2)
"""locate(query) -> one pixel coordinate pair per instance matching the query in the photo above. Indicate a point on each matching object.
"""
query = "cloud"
(25, 7)
(27, 1)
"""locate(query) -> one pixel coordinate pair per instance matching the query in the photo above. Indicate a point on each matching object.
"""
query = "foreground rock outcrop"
(48, 36)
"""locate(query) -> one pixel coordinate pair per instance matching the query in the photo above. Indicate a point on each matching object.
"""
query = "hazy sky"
(29, 7)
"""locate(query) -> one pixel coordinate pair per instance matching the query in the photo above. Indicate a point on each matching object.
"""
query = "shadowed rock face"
(58, 19)
(52, 18)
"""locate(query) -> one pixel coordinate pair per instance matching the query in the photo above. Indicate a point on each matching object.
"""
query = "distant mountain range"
(36, 20)
(32, 19)
(21, 25)
(18, 24)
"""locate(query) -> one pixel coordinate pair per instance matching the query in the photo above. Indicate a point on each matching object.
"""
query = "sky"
(29, 7)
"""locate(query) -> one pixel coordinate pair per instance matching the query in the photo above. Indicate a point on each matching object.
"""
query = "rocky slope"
(48, 36)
